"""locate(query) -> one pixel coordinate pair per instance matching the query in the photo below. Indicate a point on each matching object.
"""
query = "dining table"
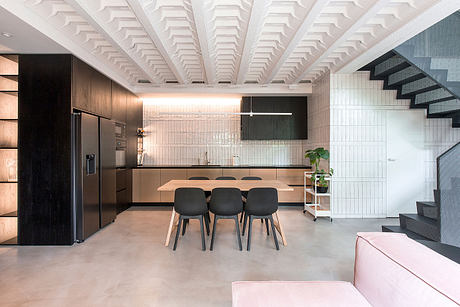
(209, 185)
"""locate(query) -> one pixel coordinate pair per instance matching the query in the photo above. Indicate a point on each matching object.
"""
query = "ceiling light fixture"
(6, 34)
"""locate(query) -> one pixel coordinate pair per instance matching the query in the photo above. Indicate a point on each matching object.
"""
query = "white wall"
(183, 139)
(358, 109)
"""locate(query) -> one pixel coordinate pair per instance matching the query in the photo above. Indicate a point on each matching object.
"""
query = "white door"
(405, 165)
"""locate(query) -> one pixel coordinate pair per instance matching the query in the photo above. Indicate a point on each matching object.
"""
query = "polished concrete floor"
(127, 264)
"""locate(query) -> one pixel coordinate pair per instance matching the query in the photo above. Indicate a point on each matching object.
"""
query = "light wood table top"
(208, 185)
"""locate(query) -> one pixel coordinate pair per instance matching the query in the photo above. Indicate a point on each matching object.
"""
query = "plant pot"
(321, 189)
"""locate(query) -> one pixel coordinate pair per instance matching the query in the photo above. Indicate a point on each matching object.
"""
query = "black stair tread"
(419, 218)
(427, 203)
(448, 251)
(409, 233)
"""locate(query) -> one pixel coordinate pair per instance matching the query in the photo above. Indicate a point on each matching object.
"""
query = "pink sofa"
(390, 270)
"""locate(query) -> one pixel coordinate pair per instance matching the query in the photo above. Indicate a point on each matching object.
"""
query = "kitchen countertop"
(224, 166)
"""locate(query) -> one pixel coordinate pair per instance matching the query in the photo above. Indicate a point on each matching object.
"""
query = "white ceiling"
(178, 45)
(25, 39)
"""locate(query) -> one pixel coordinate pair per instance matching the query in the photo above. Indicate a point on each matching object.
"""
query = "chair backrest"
(198, 178)
(190, 201)
(251, 178)
(225, 178)
(226, 201)
(262, 201)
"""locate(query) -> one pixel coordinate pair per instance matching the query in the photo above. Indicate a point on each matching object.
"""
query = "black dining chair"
(225, 178)
(207, 194)
(261, 204)
(226, 203)
(245, 193)
(190, 203)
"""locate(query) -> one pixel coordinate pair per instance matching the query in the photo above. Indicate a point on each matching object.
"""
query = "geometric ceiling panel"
(172, 43)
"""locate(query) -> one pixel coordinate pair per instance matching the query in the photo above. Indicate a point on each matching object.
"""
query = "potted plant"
(315, 156)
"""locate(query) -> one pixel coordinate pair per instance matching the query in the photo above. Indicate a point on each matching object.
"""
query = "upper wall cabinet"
(119, 96)
(91, 90)
(274, 127)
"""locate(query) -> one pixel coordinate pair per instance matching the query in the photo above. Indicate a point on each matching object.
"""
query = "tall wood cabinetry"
(8, 148)
(50, 88)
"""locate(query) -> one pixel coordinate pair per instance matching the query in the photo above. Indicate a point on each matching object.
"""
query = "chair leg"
(177, 232)
(274, 233)
(266, 226)
(244, 224)
(207, 220)
(203, 243)
(184, 226)
(238, 232)
(249, 232)
(241, 217)
(213, 232)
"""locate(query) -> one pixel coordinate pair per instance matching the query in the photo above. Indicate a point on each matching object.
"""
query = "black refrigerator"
(94, 174)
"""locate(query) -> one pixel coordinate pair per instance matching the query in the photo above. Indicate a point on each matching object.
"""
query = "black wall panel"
(44, 155)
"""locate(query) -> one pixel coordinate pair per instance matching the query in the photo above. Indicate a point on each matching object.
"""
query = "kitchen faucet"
(206, 158)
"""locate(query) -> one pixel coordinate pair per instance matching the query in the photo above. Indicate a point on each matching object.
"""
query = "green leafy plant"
(315, 156)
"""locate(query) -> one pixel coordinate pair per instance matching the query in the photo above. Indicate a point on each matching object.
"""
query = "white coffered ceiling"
(187, 44)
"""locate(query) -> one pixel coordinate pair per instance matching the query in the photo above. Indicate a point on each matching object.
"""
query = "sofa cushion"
(393, 270)
(295, 293)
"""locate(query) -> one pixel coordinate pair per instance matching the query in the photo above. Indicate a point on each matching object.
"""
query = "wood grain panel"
(290, 175)
(8, 83)
(295, 196)
(44, 168)
(118, 103)
(238, 173)
(211, 173)
(8, 106)
(145, 185)
(9, 199)
(81, 85)
(9, 64)
(264, 173)
(168, 174)
(8, 228)
(8, 133)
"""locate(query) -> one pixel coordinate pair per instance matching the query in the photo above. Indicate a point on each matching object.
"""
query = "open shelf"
(10, 214)
(9, 70)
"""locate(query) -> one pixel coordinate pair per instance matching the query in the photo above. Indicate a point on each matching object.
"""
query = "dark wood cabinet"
(81, 85)
(91, 90)
(51, 87)
(119, 95)
(274, 127)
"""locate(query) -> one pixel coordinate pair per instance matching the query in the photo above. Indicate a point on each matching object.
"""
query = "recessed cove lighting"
(6, 34)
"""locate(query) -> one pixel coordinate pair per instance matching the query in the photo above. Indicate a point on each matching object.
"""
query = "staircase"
(426, 70)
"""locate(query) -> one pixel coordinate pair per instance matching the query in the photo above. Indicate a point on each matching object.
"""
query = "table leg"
(171, 226)
(280, 228)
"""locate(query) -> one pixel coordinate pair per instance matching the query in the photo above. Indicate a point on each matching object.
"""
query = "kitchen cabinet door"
(119, 96)
(145, 185)
(81, 84)
(168, 174)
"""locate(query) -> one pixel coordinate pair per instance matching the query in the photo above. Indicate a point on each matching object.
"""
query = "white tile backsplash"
(183, 139)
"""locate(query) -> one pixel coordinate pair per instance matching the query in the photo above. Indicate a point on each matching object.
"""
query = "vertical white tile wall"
(358, 109)
(183, 139)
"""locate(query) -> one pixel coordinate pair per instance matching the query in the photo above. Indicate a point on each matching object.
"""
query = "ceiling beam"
(299, 35)
(361, 21)
(412, 27)
(258, 11)
(221, 89)
(199, 15)
(160, 40)
(100, 26)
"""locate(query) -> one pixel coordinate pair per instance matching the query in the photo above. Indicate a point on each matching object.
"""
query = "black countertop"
(225, 166)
